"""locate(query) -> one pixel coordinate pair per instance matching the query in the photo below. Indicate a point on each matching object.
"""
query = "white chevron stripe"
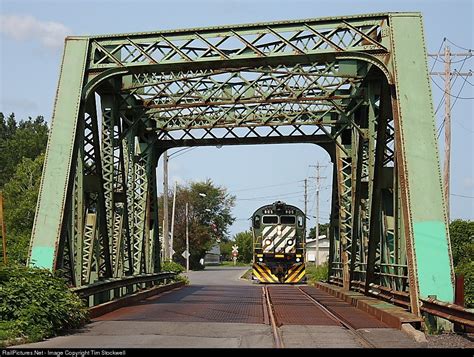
(279, 238)
(271, 234)
(287, 234)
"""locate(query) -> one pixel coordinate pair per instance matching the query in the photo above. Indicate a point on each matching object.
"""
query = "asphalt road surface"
(220, 310)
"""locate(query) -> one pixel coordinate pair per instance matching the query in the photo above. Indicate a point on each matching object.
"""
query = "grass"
(316, 273)
(231, 264)
(247, 275)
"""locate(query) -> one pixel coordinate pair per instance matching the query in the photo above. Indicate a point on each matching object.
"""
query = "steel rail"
(276, 332)
(365, 342)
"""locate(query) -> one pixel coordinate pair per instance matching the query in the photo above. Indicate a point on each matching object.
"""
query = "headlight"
(268, 242)
(290, 242)
(260, 259)
(298, 260)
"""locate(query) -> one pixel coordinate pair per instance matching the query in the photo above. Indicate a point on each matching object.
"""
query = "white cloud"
(25, 27)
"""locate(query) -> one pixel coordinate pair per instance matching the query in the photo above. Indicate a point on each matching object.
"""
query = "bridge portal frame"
(358, 86)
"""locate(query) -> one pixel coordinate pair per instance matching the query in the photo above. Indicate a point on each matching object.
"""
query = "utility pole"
(318, 188)
(166, 236)
(4, 230)
(305, 204)
(172, 223)
(447, 74)
(447, 125)
(187, 239)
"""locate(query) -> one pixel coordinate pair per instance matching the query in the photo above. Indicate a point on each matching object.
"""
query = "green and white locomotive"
(278, 243)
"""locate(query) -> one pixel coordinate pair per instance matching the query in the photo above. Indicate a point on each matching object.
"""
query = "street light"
(187, 230)
(167, 239)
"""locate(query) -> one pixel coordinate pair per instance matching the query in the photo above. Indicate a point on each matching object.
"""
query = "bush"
(467, 269)
(316, 273)
(36, 304)
(172, 266)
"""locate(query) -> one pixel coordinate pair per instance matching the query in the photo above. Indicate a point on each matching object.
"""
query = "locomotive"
(278, 244)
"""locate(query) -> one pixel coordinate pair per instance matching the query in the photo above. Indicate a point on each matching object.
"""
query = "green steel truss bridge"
(357, 86)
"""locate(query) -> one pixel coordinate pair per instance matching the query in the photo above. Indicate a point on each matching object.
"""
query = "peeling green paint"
(432, 256)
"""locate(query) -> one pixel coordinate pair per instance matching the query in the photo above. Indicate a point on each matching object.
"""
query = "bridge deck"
(220, 310)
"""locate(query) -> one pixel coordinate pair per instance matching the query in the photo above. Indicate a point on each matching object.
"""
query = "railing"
(451, 312)
(112, 289)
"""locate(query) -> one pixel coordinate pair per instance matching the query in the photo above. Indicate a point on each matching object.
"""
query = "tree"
(462, 247)
(21, 195)
(322, 230)
(209, 219)
(244, 240)
(462, 240)
(26, 138)
(226, 250)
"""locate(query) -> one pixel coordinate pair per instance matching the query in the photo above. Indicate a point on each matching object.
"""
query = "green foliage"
(244, 240)
(467, 269)
(322, 230)
(18, 140)
(209, 218)
(316, 273)
(172, 266)
(230, 263)
(22, 144)
(183, 278)
(247, 275)
(226, 250)
(462, 247)
(35, 304)
(462, 240)
(20, 197)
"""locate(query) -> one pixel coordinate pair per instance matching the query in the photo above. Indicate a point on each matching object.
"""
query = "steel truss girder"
(343, 83)
(294, 94)
(233, 43)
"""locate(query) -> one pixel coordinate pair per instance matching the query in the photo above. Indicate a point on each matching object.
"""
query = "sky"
(32, 36)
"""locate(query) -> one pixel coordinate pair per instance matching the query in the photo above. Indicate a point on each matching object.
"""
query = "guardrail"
(451, 312)
(111, 289)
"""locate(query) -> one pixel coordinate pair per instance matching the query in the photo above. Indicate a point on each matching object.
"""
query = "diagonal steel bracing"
(357, 86)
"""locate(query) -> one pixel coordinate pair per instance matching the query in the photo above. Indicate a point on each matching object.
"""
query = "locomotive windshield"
(287, 220)
(270, 219)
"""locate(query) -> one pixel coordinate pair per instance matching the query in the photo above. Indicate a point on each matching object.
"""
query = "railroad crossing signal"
(235, 253)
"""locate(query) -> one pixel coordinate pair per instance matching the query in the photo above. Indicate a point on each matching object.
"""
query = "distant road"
(216, 275)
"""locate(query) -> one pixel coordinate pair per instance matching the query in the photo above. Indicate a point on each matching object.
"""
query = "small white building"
(323, 255)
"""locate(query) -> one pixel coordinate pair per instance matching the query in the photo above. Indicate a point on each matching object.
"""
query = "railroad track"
(359, 337)
(272, 319)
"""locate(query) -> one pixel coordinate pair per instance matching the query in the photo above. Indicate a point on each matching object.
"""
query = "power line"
(451, 95)
(462, 48)
(182, 152)
(452, 194)
(285, 195)
(465, 79)
(260, 187)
